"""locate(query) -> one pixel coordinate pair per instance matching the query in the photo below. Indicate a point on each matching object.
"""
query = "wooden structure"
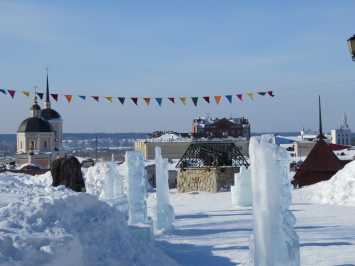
(320, 165)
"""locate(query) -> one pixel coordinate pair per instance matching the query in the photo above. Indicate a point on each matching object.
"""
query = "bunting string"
(171, 99)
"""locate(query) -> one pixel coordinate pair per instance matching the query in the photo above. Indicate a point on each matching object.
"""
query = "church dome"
(50, 114)
(35, 124)
(35, 107)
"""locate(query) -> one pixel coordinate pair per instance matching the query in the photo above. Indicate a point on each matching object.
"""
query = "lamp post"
(351, 43)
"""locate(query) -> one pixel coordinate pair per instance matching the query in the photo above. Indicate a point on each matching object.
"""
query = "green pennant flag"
(121, 99)
(194, 99)
(40, 95)
(262, 93)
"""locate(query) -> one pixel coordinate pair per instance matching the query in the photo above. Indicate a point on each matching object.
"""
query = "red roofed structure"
(320, 165)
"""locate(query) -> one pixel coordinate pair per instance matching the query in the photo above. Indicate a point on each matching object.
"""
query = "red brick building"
(234, 127)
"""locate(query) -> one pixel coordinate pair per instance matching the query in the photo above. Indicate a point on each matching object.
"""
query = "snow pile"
(94, 178)
(44, 225)
(339, 190)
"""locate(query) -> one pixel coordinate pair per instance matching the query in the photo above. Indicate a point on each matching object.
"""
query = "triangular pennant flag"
(82, 97)
(159, 100)
(95, 97)
(194, 99)
(3, 91)
(217, 98)
(183, 99)
(109, 99)
(229, 97)
(12, 93)
(270, 93)
(55, 97)
(172, 99)
(262, 93)
(240, 96)
(26, 93)
(40, 95)
(121, 99)
(68, 98)
(207, 99)
(135, 100)
(251, 95)
(147, 100)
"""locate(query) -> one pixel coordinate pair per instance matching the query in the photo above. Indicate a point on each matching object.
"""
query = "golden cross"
(35, 98)
(47, 70)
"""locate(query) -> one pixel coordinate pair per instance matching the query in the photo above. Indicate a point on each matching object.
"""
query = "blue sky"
(178, 49)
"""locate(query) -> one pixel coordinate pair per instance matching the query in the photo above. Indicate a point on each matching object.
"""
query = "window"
(346, 134)
(338, 141)
(32, 144)
(240, 148)
(21, 144)
(238, 131)
(220, 131)
(233, 131)
(245, 131)
(45, 144)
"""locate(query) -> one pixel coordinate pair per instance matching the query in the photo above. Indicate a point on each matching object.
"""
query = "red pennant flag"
(270, 93)
(55, 97)
(240, 97)
(12, 93)
(172, 99)
(135, 100)
(207, 99)
(95, 97)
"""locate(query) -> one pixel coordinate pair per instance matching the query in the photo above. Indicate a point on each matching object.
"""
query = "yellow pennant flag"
(217, 98)
(68, 98)
(26, 93)
(147, 100)
(183, 99)
(250, 95)
(109, 99)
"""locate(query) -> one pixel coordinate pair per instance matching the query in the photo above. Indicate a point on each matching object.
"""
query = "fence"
(27, 172)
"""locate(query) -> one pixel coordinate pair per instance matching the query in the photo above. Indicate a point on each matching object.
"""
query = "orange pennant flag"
(68, 98)
(147, 100)
(217, 98)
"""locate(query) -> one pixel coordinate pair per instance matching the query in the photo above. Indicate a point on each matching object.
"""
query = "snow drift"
(339, 190)
(43, 225)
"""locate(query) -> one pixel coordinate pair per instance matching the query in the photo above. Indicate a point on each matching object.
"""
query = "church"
(40, 137)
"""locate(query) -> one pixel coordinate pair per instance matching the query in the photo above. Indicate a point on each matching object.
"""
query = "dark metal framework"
(212, 155)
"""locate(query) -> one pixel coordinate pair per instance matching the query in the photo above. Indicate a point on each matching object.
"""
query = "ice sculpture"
(114, 189)
(136, 188)
(274, 241)
(241, 191)
(163, 214)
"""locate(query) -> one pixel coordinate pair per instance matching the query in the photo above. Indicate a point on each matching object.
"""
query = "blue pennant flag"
(159, 100)
(3, 91)
(229, 97)
(82, 97)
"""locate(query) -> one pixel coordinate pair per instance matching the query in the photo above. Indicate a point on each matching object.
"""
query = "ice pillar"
(241, 191)
(274, 241)
(114, 189)
(163, 214)
(136, 188)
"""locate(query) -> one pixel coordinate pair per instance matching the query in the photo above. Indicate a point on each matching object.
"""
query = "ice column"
(241, 191)
(274, 241)
(136, 188)
(163, 214)
(114, 189)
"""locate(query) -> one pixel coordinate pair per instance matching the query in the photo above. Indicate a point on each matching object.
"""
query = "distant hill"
(279, 133)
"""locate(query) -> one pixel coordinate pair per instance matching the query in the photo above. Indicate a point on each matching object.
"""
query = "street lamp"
(351, 43)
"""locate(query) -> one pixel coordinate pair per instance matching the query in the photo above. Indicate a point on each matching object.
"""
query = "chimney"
(203, 121)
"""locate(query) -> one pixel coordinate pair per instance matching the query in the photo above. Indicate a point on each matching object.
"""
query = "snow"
(339, 190)
(208, 230)
(45, 225)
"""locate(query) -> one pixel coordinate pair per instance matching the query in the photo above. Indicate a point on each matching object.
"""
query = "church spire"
(320, 136)
(47, 103)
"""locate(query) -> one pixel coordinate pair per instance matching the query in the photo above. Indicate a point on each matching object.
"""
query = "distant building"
(39, 137)
(174, 145)
(234, 127)
(342, 135)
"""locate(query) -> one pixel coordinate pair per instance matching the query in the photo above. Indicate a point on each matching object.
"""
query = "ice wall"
(163, 214)
(274, 241)
(136, 188)
(241, 191)
(114, 189)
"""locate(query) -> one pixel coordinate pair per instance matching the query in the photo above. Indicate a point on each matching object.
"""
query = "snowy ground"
(39, 223)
